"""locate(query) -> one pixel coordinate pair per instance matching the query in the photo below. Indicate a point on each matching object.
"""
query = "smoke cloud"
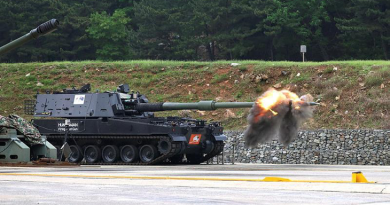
(279, 121)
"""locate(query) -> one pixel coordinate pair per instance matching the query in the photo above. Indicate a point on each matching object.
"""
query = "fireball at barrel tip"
(277, 115)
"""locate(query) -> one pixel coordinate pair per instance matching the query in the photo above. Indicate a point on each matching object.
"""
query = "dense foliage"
(199, 29)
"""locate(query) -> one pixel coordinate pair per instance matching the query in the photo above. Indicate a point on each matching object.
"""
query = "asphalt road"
(113, 184)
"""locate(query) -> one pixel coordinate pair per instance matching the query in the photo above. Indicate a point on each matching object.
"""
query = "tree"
(199, 29)
(286, 24)
(366, 28)
(223, 27)
(157, 33)
(22, 19)
(110, 35)
(311, 16)
(180, 29)
(69, 42)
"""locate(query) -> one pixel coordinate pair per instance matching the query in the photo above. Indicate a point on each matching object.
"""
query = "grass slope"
(354, 94)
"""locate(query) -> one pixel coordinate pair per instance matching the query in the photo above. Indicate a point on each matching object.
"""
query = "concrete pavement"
(101, 184)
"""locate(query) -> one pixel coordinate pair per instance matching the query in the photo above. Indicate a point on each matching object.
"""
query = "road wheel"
(148, 153)
(129, 153)
(110, 153)
(76, 154)
(92, 154)
(164, 146)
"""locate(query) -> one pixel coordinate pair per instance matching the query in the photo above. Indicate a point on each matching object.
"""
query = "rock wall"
(315, 147)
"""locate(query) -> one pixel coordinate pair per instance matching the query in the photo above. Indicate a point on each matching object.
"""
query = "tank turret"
(41, 30)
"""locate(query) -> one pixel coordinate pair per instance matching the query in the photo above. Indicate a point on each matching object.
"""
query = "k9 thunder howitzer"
(120, 127)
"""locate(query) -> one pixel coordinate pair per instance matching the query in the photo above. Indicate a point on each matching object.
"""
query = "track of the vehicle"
(175, 148)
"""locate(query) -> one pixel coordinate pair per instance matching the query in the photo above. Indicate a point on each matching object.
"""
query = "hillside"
(353, 94)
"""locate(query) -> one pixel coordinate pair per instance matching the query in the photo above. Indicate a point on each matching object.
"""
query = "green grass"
(376, 78)
(148, 64)
(164, 81)
(239, 94)
(219, 78)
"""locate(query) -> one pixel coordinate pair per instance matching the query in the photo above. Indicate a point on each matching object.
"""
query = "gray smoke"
(264, 126)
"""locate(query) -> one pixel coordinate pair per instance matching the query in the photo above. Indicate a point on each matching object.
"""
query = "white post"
(303, 51)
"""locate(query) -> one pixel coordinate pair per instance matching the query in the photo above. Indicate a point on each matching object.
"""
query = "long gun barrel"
(206, 105)
(201, 105)
(41, 30)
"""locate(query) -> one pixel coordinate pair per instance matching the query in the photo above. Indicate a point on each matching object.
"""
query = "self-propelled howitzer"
(120, 127)
(41, 30)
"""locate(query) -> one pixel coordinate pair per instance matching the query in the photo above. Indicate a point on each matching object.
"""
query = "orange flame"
(272, 98)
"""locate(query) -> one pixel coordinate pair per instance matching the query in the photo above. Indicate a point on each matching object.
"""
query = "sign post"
(303, 51)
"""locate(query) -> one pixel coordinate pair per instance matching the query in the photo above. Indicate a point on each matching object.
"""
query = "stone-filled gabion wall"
(315, 147)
